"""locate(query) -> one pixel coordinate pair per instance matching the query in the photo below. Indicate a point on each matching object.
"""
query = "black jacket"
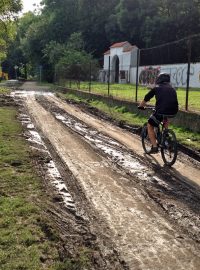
(166, 99)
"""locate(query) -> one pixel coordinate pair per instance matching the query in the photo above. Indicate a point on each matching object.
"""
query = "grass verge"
(128, 92)
(28, 238)
(4, 90)
(184, 136)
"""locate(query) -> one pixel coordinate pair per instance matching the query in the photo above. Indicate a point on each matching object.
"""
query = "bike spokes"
(146, 144)
(169, 148)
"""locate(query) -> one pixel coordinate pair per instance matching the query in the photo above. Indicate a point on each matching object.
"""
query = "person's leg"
(152, 135)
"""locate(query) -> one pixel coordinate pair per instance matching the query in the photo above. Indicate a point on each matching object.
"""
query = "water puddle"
(116, 152)
(34, 138)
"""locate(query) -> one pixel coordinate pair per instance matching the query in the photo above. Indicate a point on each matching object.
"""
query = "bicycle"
(166, 139)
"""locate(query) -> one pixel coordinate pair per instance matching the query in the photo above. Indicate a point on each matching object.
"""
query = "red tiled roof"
(119, 44)
(129, 48)
(107, 52)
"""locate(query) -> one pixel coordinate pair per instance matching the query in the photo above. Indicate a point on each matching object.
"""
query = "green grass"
(46, 84)
(28, 239)
(4, 90)
(184, 136)
(128, 92)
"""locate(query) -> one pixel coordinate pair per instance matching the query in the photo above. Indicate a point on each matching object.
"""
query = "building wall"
(126, 60)
(178, 74)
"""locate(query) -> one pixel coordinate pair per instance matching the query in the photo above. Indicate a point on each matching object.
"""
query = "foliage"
(43, 37)
(74, 64)
(8, 11)
(70, 60)
(9, 8)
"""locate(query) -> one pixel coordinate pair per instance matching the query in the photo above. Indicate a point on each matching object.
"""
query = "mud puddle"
(71, 215)
(180, 201)
(116, 188)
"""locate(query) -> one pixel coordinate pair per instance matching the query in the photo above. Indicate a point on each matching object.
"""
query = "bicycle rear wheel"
(169, 149)
(146, 144)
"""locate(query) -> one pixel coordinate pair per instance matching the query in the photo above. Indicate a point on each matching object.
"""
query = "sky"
(28, 5)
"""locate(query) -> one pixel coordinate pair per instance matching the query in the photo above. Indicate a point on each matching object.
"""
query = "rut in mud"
(111, 190)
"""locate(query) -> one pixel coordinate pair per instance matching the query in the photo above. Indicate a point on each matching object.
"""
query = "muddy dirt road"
(145, 214)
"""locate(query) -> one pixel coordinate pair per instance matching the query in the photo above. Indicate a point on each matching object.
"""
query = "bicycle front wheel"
(169, 149)
(146, 144)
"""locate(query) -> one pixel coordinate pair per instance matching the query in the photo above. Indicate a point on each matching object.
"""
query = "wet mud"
(180, 200)
(81, 231)
(191, 153)
(132, 213)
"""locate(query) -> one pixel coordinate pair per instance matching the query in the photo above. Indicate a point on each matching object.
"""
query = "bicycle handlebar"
(144, 108)
(141, 108)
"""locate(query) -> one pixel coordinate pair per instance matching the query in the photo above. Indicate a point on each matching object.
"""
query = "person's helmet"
(163, 78)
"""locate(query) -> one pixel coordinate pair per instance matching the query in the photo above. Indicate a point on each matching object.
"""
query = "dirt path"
(184, 170)
(141, 232)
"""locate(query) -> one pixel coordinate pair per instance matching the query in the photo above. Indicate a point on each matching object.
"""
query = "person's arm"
(142, 104)
(148, 96)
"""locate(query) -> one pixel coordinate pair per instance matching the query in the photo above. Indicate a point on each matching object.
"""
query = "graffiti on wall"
(178, 74)
(148, 75)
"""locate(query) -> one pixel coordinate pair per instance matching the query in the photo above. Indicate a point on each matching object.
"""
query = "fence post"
(137, 72)
(90, 77)
(109, 77)
(188, 73)
(40, 73)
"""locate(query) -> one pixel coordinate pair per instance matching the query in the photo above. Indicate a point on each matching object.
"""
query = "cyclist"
(166, 105)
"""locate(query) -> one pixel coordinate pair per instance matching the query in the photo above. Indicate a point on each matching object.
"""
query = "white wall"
(116, 51)
(178, 74)
(106, 62)
(126, 59)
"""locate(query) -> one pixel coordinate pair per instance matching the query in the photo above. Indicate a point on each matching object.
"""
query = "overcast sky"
(28, 5)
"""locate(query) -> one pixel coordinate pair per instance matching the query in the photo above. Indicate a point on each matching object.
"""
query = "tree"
(61, 18)
(44, 37)
(75, 63)
(93, 19)
(8, 11)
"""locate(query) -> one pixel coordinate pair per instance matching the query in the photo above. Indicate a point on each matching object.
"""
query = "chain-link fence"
(181, 59)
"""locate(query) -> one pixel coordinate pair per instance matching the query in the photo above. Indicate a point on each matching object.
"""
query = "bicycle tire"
(169, 149)
(146, 144)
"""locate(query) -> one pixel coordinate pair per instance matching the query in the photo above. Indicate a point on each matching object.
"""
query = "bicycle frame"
(166, 139)
(163, 127)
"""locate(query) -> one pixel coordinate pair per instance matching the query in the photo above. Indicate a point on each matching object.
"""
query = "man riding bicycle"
(166, 105)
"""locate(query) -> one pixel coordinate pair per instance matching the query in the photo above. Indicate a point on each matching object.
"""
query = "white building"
(121, 58)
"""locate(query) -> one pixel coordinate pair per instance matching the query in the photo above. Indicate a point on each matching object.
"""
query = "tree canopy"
(43, 37)
(8, 11)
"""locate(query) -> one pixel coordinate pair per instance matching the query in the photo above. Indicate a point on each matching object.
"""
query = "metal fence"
(178, 58)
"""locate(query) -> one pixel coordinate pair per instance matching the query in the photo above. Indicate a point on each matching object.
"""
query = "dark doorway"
(117, 70)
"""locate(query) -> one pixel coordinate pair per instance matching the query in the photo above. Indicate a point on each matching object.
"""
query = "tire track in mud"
(180, 200)
(144, 238)
(186, 169)
(72, 219)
